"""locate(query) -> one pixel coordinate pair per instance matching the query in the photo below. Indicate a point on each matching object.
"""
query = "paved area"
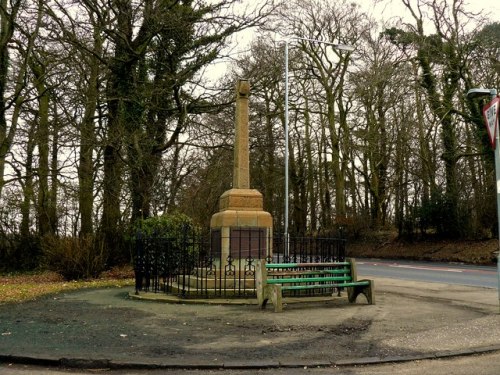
(105, 328)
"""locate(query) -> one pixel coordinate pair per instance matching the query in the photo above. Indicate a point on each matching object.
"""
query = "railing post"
(139, 262)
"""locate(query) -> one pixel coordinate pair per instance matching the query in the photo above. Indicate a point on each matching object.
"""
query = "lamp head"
(478, 93)
(344, 47)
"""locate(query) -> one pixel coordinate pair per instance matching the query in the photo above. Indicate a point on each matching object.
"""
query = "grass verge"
(26, 287)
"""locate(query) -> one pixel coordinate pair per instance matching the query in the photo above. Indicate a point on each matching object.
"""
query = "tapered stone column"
(241, 169)
(241, 208)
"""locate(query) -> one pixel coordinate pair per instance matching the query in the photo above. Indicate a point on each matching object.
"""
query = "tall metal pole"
(497, 174)
(493, 94)
(286, 150)
(478, 93)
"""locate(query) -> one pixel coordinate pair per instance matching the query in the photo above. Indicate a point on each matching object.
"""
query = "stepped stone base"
(241, 200)
(241, 208)
(234, 218)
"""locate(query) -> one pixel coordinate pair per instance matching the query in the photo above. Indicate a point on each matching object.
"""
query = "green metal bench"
(272, 279)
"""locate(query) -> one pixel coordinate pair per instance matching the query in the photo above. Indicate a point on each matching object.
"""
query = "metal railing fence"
(190, 265)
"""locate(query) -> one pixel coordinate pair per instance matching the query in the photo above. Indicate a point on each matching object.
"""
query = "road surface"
(446, 273)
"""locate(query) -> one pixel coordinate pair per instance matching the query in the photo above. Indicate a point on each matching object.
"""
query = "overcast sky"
(379, 9)
(390, 8)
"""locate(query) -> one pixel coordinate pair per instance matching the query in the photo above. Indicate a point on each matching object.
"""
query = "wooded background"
(110, 114)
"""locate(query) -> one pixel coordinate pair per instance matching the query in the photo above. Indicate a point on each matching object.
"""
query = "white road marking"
(425, 268)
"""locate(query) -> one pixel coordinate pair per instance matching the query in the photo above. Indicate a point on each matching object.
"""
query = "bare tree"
(442, 58)
(12, 82)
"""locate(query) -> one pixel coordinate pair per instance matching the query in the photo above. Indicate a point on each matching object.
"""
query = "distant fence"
(190, 264)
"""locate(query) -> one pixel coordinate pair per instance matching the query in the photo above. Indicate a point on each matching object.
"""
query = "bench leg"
(261, 299)
(277, 298)
(367, 290)
(264, 293)
(260, 284)
(273, 293)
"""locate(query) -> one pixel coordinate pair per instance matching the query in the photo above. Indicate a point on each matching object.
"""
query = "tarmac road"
(446, 273)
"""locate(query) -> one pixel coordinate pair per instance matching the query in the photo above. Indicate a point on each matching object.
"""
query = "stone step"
(215, 281)
(176, 289)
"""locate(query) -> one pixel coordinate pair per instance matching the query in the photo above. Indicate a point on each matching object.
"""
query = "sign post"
(490, 113)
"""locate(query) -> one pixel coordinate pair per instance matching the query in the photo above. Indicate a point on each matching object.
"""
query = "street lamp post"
(492, 93)
(342, 47)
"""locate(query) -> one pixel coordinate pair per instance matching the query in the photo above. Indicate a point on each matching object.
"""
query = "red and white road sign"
(490, 114)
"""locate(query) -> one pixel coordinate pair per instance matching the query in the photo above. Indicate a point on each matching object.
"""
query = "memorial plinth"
(241, 208)
(245, 228)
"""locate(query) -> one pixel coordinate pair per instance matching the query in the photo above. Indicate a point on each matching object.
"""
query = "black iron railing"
(196, 266)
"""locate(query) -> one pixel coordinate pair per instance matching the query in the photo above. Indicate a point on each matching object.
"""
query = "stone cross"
(241, 171)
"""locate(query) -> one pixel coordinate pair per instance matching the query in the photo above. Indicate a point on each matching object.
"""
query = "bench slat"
(319, 286)
(308, 272)
(296, 265)
(292, 280)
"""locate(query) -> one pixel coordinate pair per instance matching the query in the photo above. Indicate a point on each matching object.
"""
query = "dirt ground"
(99, 324)
(105, 324)
(89, 322)
(481, 252)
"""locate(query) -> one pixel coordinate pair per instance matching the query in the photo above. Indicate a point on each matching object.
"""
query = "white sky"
(387, 9)
(390, 8)
(379, 9)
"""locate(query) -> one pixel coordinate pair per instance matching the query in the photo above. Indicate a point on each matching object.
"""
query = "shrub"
(171, 240)
(173, 225)
(74, 258)
(18, 253)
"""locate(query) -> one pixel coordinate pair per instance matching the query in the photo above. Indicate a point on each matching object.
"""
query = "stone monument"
(241, 208)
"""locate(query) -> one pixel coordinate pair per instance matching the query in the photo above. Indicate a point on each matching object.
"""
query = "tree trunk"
(45, 224)
(8, 15)
(120, 93)
(326, 216)
(311, 168)
(88, 141)
(54, 182)
(28, 195)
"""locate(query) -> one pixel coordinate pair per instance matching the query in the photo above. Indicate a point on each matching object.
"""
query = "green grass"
(25, 287)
